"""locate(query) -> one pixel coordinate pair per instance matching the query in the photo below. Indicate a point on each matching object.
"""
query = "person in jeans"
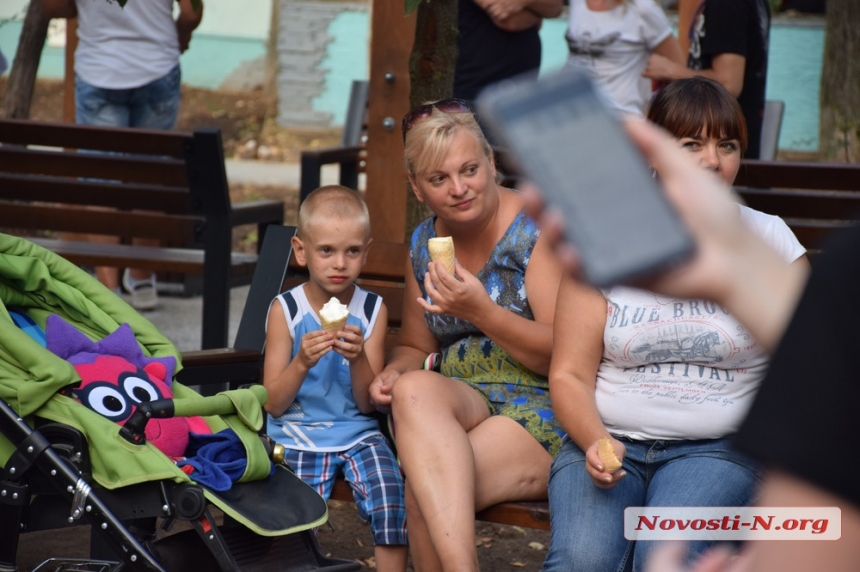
(127, 75)
(666, 379)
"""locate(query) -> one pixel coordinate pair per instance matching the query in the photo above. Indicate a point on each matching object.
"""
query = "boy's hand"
(314, 346)
(350, 342)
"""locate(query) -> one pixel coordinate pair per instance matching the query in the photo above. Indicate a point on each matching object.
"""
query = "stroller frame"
(63, 465)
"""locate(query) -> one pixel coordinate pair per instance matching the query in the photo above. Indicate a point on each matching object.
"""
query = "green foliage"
(412, 5)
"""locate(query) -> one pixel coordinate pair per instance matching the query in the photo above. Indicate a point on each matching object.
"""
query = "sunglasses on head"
(449, 105)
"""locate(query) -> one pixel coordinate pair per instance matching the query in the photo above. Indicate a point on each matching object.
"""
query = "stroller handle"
(221, 404)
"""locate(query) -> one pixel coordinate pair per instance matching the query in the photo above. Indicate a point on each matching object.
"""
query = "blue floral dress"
(510, 388)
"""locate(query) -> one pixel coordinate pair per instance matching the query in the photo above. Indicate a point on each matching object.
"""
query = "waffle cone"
(607, 455)
(334, 326)
(442, 251)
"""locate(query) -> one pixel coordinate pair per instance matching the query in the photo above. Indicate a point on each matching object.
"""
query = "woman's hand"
(464, 298)
(314, 346)
(381, 388)
(596, 469)
(351, 344)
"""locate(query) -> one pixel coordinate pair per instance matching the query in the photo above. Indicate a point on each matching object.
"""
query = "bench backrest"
(181, 176)
(814, 199)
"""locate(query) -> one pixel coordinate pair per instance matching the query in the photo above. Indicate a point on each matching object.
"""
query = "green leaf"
(412, 5)
(121, 3)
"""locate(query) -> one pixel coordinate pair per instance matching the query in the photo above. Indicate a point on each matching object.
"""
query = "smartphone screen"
(571, 145)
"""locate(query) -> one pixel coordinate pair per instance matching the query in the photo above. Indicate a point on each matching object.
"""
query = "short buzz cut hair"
(334, 201)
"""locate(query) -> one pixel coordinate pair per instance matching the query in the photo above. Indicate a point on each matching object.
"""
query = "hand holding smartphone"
(567, 141)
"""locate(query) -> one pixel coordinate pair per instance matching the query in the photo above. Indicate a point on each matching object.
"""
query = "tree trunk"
(22, 78)
(839, 128)
(431, 71)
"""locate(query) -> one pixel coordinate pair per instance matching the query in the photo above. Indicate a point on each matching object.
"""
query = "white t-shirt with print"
(680, 368)
(615, 45)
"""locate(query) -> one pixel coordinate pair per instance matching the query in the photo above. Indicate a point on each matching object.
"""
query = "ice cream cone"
(442, 251)
(334, 326)
(333, 316)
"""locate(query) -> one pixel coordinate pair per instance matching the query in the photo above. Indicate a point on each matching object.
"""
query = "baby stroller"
(62, 464)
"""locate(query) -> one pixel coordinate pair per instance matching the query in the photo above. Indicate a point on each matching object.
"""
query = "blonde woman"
(481, 431)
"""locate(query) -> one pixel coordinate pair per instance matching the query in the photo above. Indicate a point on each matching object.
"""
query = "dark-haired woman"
(667, 380)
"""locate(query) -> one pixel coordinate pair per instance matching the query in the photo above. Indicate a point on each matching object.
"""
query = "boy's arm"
(369, 362)
(283, 374)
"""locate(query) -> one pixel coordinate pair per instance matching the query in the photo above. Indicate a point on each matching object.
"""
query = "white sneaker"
(144, 296)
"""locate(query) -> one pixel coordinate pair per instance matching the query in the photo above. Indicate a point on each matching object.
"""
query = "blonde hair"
(333, 201)
(428, 141)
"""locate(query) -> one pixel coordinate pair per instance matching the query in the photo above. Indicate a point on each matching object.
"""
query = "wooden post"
(391, 36)
(69, 70)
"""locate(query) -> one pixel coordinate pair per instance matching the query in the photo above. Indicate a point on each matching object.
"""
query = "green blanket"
(42, 283)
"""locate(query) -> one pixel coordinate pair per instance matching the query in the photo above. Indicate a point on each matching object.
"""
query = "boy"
(319, 402)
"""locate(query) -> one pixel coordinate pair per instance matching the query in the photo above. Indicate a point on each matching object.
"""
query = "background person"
(498, 39)
(729, 42)
(613, 39)
(481, 431)
(319, 406)
(738, 269)
(667, 379)
(127, 75)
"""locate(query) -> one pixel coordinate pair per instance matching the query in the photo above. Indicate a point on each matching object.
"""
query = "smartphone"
(566, 140)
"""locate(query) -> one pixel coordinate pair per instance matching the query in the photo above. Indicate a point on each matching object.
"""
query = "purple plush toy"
(116, 376)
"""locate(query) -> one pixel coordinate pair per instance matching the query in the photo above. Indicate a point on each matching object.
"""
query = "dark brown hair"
(685, 105)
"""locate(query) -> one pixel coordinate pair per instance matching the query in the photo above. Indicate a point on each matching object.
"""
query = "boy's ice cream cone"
(333, 316)
(442, 251)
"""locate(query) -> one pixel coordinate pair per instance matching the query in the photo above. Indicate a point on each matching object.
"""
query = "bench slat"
(89, 192)
(798, 175)
(182, 260)
(153, 170)
(803, 204)
(76, 219)
(113, 139)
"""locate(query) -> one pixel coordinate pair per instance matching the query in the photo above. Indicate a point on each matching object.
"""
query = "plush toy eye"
(140, 389)
(106, 400)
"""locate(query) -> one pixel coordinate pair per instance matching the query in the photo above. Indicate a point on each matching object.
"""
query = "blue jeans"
(154, 105)
(587, 523)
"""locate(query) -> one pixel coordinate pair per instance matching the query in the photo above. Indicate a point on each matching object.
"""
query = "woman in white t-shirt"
(666, 380)
(613, 40)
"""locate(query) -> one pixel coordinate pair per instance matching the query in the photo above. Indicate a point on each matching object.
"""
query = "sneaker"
(144, 296)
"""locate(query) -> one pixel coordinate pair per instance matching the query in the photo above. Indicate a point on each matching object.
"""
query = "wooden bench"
(814, 199)
(59, 178)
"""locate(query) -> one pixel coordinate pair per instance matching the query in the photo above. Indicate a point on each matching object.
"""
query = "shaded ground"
(247, 134)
